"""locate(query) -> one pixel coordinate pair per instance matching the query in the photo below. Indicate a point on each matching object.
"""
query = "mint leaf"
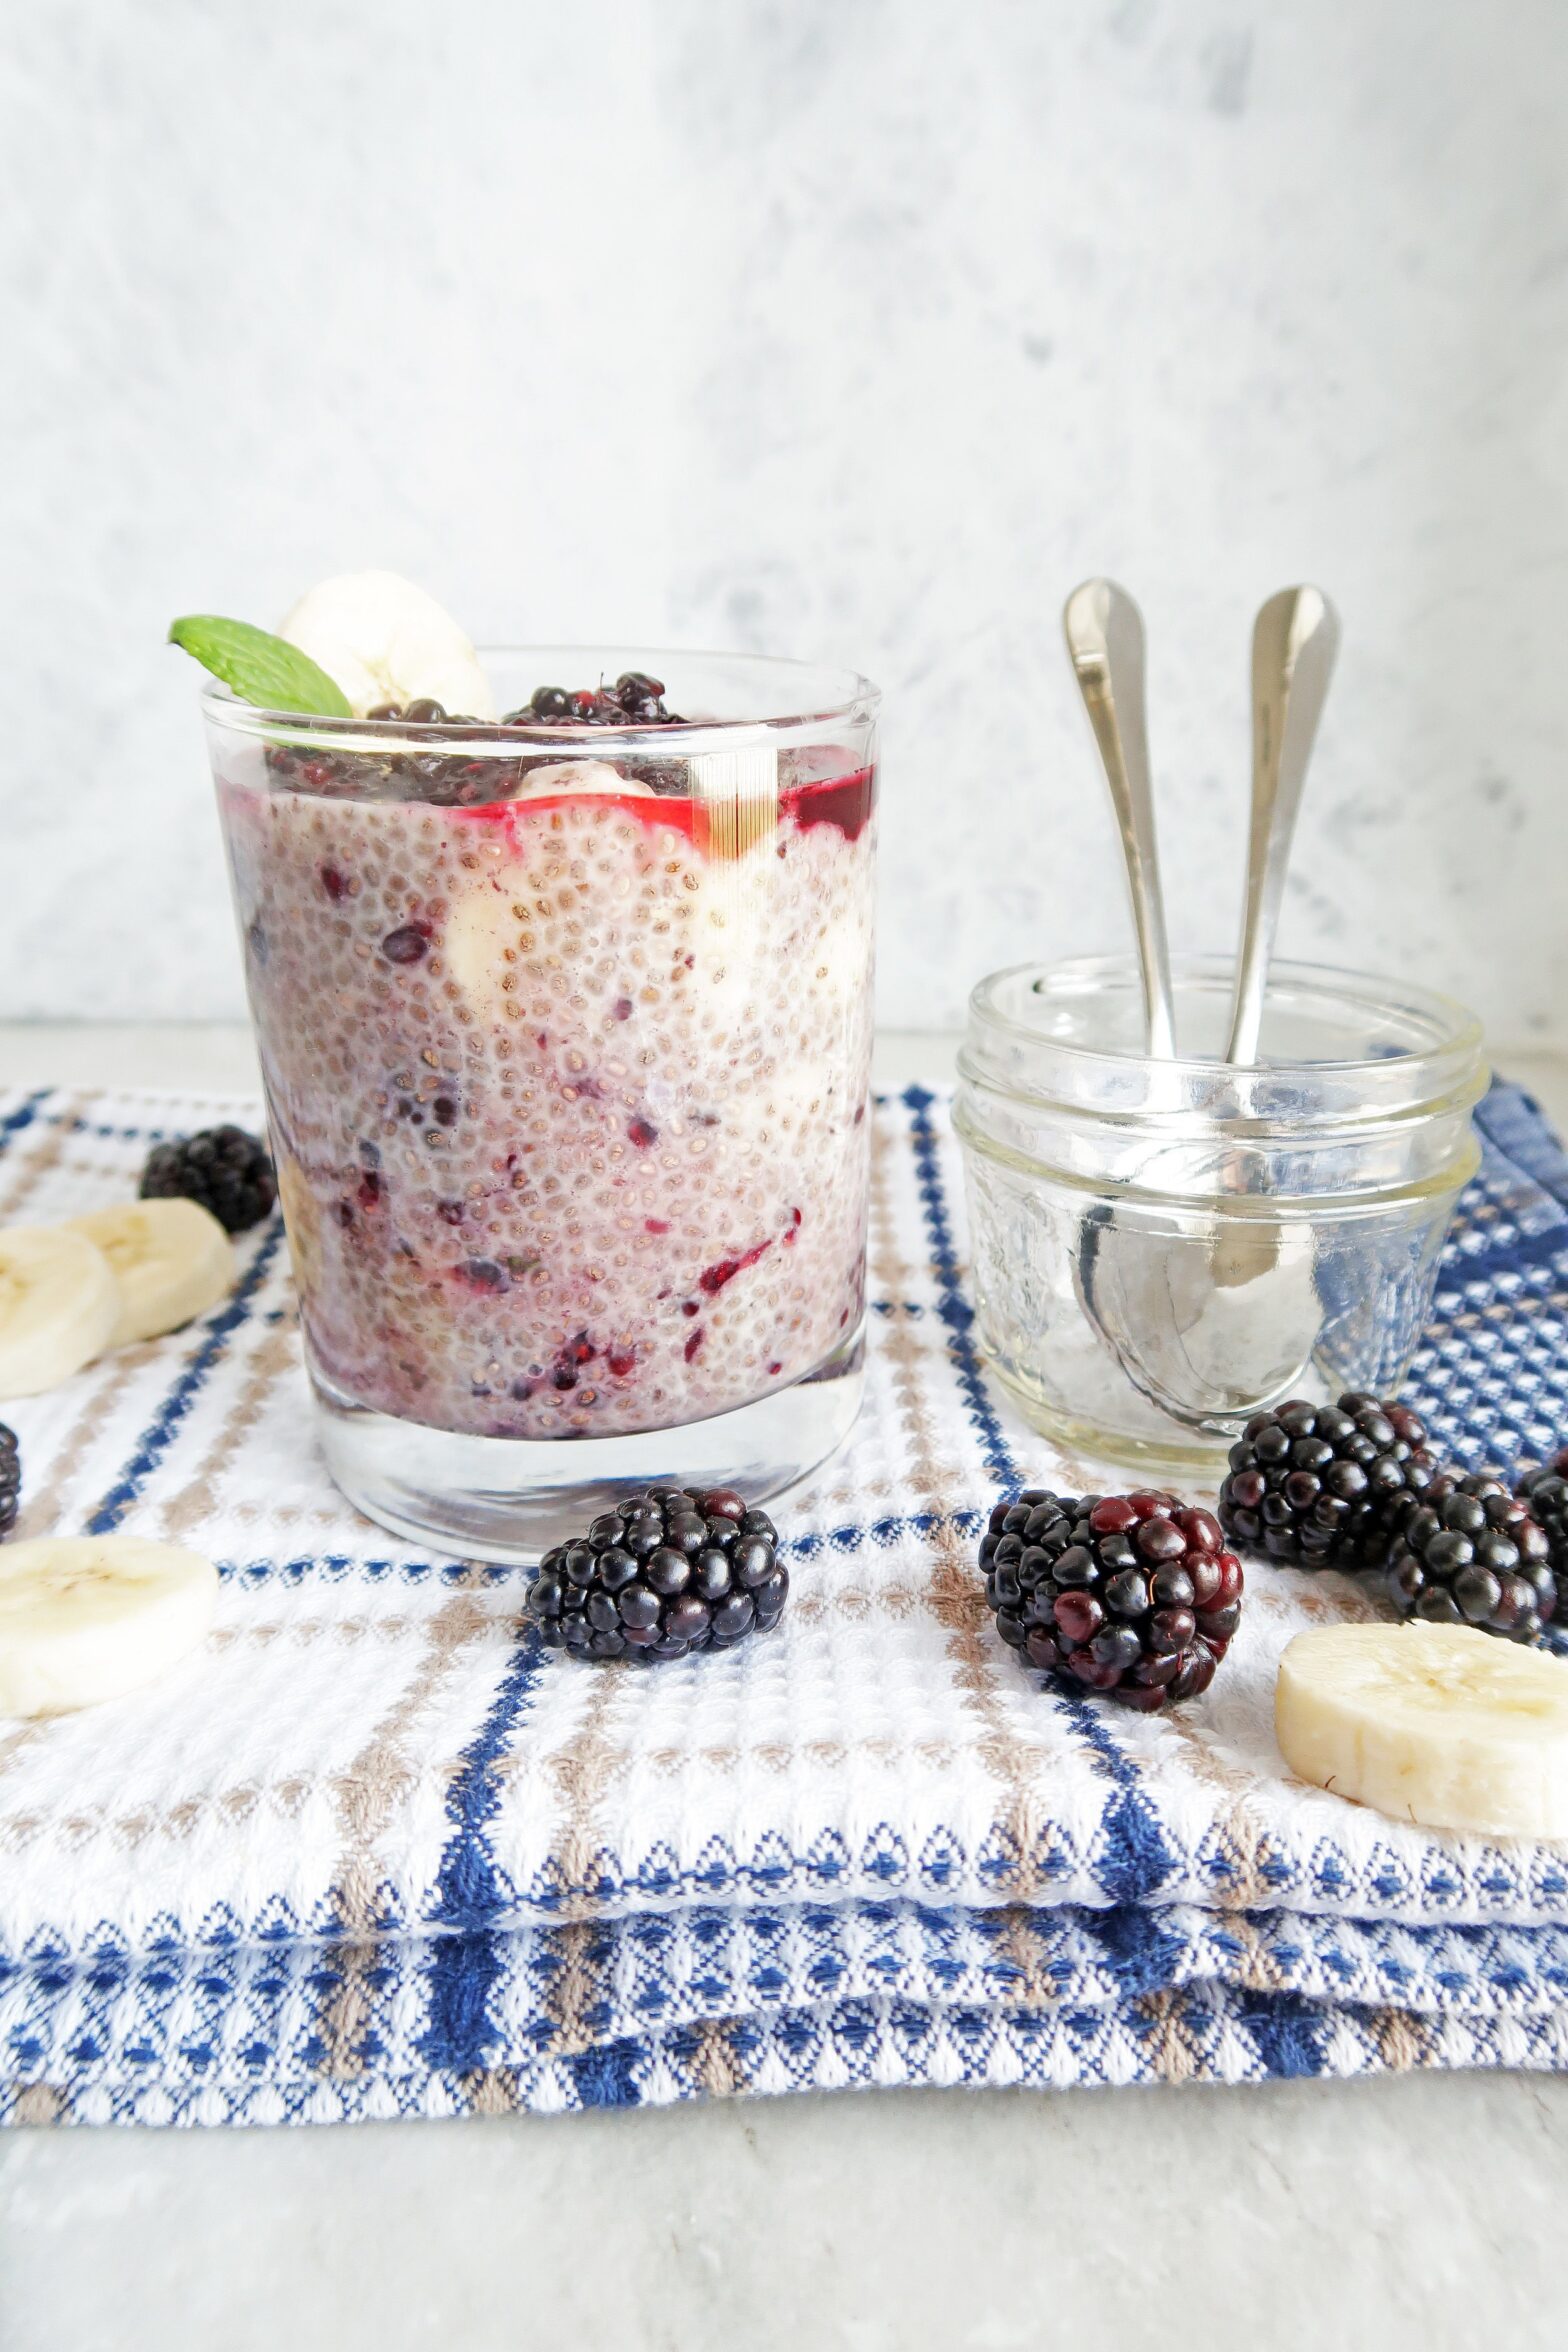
(261, 668)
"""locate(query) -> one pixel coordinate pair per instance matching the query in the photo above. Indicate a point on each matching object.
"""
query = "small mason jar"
(566, 1031)
(1161, 1249)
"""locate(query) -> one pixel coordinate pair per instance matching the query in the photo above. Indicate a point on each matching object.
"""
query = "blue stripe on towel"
(160, 1432)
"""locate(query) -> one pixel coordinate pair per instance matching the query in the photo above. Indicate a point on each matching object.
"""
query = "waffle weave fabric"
(373, 1851)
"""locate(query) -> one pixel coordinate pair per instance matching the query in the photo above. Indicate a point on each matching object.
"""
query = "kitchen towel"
(374, 1851)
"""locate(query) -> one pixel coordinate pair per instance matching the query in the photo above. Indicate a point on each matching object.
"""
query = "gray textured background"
(840, 327)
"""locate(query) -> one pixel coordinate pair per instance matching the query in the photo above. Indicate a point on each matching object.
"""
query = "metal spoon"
(1205, 1332)
(1105, 642)
(1264, 1268)
(1294, 641)
(1104, 632)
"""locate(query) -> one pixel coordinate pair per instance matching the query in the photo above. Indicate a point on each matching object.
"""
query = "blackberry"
(1327, 1486)
(1546, 1493)
(10, 1480)
(1474, 1555)
(223, 1168)
(675, 1570)
(1133, 1595)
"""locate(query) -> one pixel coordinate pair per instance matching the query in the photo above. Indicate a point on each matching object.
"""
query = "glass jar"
(1160, 1249)
(565, 1032)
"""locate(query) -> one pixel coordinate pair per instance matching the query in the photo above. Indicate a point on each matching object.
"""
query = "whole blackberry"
(1474, 1555)
(1133, 1595)
(10, 1479)
(1546, 1493)
(678, 1569)
(1327, 1486)
(223, 1168)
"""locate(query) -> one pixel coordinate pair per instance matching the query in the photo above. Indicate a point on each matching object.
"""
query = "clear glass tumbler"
(1162, 1248)
(565, 1032)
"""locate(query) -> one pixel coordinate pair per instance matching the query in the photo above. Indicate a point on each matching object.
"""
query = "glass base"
(511, 1498)
(1183, 1453)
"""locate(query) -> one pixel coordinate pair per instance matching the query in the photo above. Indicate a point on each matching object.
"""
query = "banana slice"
(1432, 1723)
(384, 640)
(554, 778)
(84, 1618)
(483, 925)
(171, 1260)
(301, 1222)
(480, 932)
(58, 1307)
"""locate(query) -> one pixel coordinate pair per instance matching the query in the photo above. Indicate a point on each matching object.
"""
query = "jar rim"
(1010, 1054)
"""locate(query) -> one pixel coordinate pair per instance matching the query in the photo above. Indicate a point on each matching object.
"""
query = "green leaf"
(261, 668)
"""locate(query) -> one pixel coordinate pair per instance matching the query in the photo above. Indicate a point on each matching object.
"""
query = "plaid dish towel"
(374, 1852)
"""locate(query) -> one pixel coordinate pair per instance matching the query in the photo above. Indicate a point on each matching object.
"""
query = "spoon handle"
(1294, 641)
(1104, 632)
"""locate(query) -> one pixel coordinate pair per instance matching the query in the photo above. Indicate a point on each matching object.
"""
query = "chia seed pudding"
(566, 1059)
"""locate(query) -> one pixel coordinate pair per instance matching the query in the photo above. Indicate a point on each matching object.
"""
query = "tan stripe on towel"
(27, 1170)
(365, 1797)
(38, 1516)
(275, 1359)
(954, 1592)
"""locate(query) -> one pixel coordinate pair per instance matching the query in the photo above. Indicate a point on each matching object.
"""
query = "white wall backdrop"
(853, 328)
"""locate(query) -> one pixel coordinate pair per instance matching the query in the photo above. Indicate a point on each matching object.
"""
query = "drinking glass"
(565, 1032)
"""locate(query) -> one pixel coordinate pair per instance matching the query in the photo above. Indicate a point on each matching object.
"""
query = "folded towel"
(682, 2004)
(375, 1851)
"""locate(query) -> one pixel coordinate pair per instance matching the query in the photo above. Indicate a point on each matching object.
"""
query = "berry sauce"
(567, 1089)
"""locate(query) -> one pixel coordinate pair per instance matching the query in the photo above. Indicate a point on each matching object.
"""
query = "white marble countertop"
(1405, 2211)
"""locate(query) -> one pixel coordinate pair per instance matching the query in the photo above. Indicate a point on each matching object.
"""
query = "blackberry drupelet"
(1474, 1555)
(10, 1480)
(1327, 1486)
(635, 700)
(1546, 1493)
(1132, 1595)
(222, 1168)
(423, 711)
(677, 1569)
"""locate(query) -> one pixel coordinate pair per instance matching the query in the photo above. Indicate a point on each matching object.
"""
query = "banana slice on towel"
(58, 1306)
(171, 1260)
(1432, 1723)
(86, 1618)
